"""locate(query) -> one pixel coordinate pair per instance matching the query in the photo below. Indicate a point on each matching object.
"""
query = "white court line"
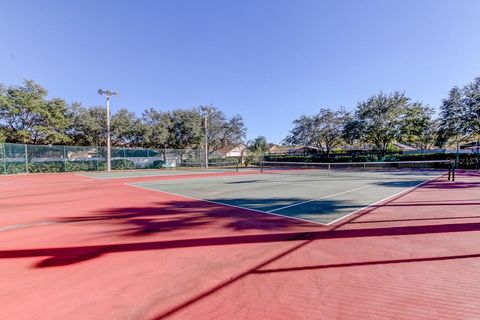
(325, 197)
(25, 225)
(385, 199)
(227, 205)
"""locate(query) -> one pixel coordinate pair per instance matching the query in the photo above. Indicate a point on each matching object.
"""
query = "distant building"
(404, 147)
(233, 151)
(473, 146)
(292, 150)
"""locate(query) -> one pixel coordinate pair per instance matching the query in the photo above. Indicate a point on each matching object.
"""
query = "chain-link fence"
(23, 158)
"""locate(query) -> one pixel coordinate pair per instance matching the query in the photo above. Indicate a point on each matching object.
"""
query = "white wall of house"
(238, 151)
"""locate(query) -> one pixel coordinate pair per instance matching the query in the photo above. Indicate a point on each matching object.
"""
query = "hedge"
(70, 166)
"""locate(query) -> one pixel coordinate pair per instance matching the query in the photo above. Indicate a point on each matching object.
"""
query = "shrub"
(157, 164)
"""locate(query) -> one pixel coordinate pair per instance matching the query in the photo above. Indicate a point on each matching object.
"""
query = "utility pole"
(206, 139)
(108, 94)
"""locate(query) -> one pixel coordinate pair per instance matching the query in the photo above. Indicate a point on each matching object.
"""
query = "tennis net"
(361, 169)
(212, 166)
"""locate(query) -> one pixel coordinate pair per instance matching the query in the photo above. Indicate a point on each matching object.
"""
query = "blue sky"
(270, 61)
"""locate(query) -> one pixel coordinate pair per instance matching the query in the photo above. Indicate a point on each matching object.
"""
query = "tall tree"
(419, 129)
(186, 129)
(126, 129)
(27, 116)
(88, 126)
(324, 130)
(258, 146)
(380, 117)
(222, 131)
(157, 129)
(472, 106)
(453, 116)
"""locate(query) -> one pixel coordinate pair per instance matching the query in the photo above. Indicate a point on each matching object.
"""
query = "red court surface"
(78, 248)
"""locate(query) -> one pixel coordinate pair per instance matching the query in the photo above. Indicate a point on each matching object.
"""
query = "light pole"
(108, 94)
(206, 139)
(206, 111)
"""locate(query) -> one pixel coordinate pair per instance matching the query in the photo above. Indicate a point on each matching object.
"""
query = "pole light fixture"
(108, 94)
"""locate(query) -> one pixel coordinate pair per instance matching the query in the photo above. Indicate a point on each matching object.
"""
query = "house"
(472, 146)
(232, 151)
(367, 147)
(292, 150)
(275, 149)
(404, 147)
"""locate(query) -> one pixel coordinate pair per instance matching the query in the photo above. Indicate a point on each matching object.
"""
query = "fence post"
(65, 158)
(96, 157)
(478, 154)
(148, 159)
(457, 158)
(124, 159)
(4, 158)
(26, 159)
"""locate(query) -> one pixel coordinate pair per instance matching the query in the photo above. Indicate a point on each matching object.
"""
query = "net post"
(329, 169)
(261, 166)
(449, 171)
(26, 159)
(453, 171)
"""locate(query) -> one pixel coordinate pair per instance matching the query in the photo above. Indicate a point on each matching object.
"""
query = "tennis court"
(283, 242)
(320, 193)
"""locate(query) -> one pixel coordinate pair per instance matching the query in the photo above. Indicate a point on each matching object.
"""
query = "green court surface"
(307, 196)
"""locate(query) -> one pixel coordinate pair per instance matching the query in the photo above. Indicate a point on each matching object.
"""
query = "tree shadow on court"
(369, 263)
(184, 217)
(453, 185)
(399, 183)
(174, 216)
(53, 257)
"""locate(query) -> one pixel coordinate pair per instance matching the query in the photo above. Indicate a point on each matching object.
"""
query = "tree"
(126, 129)
(453, 118)
(301, 134)
(157, 129)
(222, 132)
(472, 108)
(379, 119)
(419, 129)
(258, 146)
(186, 129)
(325, 130)
(88, 126)
(256, 149)
(26, 116)
(472, 103)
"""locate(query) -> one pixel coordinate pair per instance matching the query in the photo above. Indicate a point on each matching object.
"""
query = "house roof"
(289, 149)
(228, 149)
(469, 145)
(403, 146)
